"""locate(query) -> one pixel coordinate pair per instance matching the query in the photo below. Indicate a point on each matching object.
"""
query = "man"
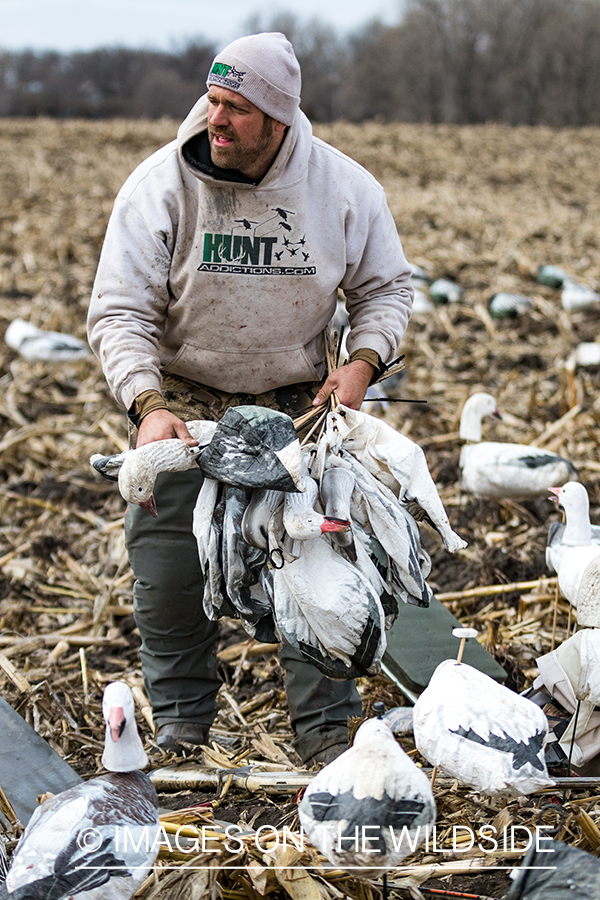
(217, 280)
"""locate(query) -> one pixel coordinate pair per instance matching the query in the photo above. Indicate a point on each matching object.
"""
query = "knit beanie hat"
(262, 68)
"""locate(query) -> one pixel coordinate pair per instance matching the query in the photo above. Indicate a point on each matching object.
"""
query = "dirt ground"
(483, 206)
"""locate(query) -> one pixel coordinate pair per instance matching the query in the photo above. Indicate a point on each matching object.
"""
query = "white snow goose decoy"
(576, 530)
(480, 732)
(44, 346)
(136, 470)
(73, 846)
(302, 521)
(328, 610)
(369, 808)
(502, 470)
(573, 550)
(337, 485)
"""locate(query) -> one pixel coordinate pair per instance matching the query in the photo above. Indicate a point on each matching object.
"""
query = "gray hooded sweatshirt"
(233, 284)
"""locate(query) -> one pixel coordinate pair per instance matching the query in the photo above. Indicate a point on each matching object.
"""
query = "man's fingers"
(182, 433)
(161, 424)
(321, 397)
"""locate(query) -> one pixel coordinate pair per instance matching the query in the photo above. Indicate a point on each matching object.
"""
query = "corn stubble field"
(484, 206)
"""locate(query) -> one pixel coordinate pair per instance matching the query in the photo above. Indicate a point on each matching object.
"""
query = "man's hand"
(349, 382)
(161, 424)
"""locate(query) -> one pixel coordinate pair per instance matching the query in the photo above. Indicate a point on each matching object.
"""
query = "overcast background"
(522, 62)
(68, 25)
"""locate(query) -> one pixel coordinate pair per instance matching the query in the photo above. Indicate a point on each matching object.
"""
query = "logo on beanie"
(223, 74)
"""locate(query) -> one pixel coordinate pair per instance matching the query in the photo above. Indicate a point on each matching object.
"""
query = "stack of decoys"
(314, 545)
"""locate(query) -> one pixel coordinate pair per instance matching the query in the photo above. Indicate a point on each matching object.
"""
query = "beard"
(243, 155)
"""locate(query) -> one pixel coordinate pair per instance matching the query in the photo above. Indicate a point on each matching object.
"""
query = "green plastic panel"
(420, 639)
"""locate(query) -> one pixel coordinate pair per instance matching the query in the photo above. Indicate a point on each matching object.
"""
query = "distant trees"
(513, 61)
(460, 61)
(104, 83)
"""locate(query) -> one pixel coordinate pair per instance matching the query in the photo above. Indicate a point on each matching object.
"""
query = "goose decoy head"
(123, 748)
(571, 496)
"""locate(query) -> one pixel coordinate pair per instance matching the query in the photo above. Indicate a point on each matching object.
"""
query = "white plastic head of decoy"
(463, 634)
(18, 332)
(476, 407)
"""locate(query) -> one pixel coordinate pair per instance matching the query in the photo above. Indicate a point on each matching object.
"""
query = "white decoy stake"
(464, 634)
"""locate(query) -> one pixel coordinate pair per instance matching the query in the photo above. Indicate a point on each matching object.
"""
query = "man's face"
(241, 136)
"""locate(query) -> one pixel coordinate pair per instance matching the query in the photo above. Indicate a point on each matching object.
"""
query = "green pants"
(178, 641)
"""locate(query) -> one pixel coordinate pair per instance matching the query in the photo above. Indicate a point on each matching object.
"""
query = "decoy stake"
(464, 634)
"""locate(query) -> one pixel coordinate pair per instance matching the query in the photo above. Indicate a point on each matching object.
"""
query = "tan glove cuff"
(147, 403)
(370, 356)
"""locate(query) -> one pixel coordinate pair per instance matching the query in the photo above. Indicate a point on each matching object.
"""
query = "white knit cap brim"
(262, 68)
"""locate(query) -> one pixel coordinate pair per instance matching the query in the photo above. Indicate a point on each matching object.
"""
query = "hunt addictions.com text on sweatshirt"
(232, 284)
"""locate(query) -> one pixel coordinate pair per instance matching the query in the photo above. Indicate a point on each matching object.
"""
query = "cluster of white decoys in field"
(74, 846)
(366, 811)
(501, 305)
(468, 726)
(313, 545)
(302, 544)
(373, 806)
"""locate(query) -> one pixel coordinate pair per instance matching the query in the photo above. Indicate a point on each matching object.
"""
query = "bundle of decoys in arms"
(311, 544)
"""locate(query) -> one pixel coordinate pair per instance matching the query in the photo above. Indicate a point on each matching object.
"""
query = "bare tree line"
(456, 61)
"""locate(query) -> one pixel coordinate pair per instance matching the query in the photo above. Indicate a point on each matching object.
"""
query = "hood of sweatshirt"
(289, 167)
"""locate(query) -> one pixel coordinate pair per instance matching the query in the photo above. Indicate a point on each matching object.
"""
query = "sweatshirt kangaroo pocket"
(235, 371)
